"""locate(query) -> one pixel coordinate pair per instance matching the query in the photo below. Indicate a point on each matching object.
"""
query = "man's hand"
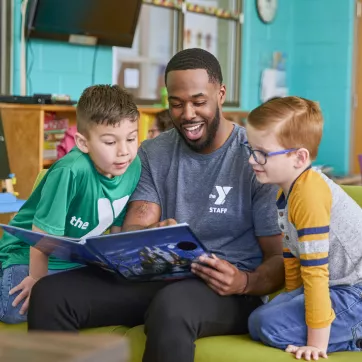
(25, 286)
(307, 352)
(221, 276)
(167, 222)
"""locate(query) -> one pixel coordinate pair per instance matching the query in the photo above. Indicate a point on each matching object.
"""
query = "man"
(196, 173)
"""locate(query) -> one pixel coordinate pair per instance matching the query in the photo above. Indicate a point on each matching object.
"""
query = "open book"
(150, 254)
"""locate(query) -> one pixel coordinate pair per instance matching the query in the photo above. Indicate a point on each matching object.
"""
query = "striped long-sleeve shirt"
(322, 240)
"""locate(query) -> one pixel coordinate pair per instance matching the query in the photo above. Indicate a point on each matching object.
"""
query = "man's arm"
(115, 229)
(140, 215)
(144, 215)
(269, 276)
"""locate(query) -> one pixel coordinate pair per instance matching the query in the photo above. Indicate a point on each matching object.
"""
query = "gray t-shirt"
(217, 194)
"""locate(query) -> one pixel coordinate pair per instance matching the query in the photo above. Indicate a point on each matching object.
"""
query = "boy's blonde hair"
(298, 122)
(105, 104)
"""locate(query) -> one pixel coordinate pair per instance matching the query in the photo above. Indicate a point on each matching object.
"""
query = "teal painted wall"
(259, 42)
(318, 37)
(322, 70)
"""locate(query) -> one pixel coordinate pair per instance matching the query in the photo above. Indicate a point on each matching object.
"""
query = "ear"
(302, 158)
(222, 94)
(81, 142)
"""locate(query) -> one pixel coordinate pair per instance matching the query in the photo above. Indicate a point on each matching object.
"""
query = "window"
(165, 27)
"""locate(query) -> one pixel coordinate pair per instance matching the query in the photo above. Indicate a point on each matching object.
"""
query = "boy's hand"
(25, 286)
(307, 352)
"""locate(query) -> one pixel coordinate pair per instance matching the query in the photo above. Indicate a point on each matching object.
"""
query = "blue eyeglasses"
(261, 157)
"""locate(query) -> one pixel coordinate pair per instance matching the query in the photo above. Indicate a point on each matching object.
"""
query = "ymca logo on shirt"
(220, 198)
(107, 212)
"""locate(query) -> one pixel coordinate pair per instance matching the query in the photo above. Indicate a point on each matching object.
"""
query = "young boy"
(321, 309)
(81, 195)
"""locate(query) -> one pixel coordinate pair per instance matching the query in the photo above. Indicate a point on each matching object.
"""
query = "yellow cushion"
(230, 349)
(23, 327)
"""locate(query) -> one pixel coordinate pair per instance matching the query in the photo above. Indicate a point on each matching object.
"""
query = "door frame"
(6, 45)
(356, 103)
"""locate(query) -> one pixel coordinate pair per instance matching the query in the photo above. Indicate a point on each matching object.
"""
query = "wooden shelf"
(39, 107)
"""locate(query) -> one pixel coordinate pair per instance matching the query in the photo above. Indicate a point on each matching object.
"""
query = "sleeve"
(264, 210)
(58, 192)
(136, 170)
(310, 212)
(146, 189)
(293, 278)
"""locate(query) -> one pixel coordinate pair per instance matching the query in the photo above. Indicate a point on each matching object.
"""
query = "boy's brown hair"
(163, 120)
(298, 122)
(105, 104)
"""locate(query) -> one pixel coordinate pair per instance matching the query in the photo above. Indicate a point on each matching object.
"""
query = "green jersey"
(73, 200)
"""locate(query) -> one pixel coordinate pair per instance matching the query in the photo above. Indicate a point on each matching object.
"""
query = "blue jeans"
(9, 278)
(282, 321)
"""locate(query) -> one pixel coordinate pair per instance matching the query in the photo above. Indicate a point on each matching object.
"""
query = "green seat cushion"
(230, 349)
(23, 327)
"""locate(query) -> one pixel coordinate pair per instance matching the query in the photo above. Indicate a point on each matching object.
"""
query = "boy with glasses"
(321, 309)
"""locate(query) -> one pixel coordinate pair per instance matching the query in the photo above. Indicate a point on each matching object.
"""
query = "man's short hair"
(298, 122)
(196, 58)
(105, 104)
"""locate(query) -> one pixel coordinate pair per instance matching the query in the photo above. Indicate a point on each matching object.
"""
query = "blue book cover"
(149, 254)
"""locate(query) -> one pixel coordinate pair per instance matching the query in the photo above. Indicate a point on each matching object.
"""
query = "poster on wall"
(201, 30)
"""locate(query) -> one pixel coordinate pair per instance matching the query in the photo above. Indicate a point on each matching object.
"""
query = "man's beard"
(211, 129)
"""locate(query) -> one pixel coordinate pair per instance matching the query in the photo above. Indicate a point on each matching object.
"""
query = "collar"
(282, 200)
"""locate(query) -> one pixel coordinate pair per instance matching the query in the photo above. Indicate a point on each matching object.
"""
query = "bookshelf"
(24, 133)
